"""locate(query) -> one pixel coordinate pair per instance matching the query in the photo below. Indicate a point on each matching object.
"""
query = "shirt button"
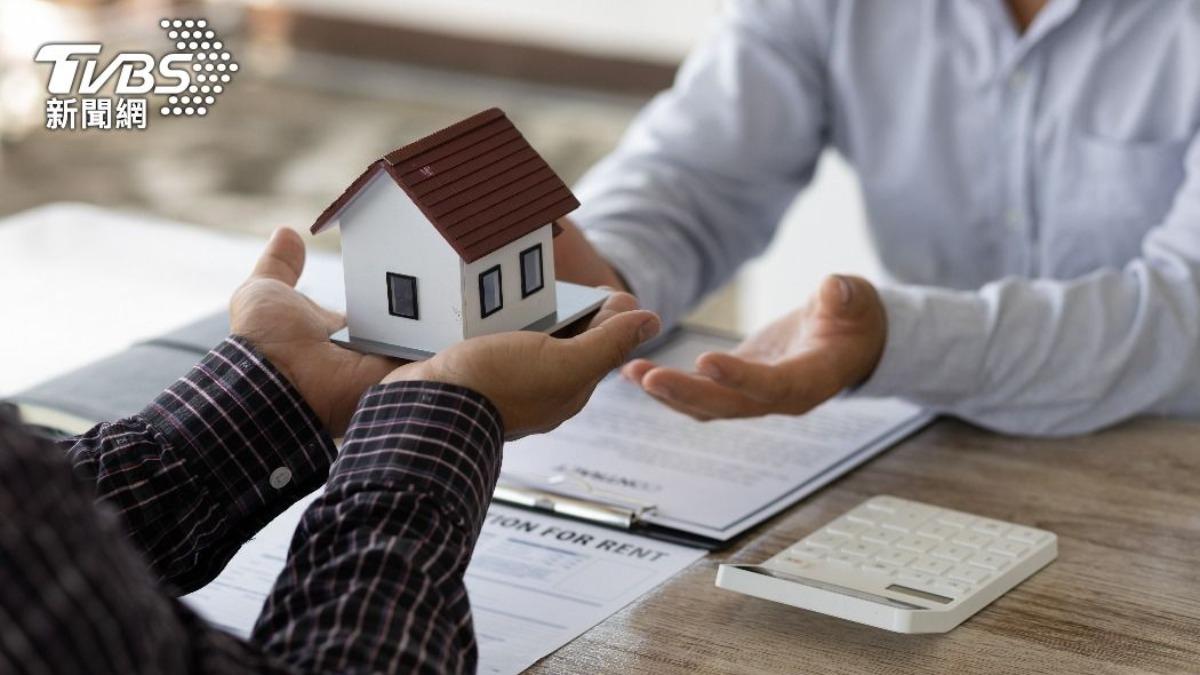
(281, 477)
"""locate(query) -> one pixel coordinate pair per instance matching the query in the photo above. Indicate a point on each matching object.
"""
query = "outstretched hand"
(293, 333)
(789, 367)
(535, 380)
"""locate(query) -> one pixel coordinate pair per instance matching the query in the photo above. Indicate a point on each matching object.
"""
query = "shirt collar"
(1052, 16)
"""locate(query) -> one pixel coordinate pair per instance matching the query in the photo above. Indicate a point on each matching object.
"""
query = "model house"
(450, 237)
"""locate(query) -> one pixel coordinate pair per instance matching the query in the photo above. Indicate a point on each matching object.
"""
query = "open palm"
(795, 363)
(293, 333)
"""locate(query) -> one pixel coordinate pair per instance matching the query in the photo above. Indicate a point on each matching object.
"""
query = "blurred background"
(327, 86)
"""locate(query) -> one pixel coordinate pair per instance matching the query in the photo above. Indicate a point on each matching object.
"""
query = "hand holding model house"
(451, 237)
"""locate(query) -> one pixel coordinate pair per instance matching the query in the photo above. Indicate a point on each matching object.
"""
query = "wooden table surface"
(1123, 595)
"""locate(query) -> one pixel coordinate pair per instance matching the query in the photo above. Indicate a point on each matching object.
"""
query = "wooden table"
(1123, 595)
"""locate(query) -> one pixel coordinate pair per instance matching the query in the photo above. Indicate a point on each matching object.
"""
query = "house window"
(531, 271)
(402, 295)
(491, 299)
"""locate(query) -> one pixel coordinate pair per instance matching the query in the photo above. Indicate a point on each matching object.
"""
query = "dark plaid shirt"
(90, 560)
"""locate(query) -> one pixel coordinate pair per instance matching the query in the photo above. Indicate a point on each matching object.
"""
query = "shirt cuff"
(438, 439)
(936, 341)
(242, 429)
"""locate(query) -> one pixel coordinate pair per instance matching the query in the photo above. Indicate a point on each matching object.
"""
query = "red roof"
(479, 182)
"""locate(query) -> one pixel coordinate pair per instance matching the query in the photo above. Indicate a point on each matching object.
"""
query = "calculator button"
(915, 543)
(969, 574)
(806, 552)
(906, 520)
(840, 559)
(992, 528)
(847, 527)
(877, 569)
(950, 588)
(1027, 535)
(860, 549)
(972, 539)
(938, 531)
(932, 565)
(881, 535)
(788, 559)
(914, 577)
(825, 540)
(989, 561)
(955, 519)
(1009, 548)
(862, 515)
(897, 558)
(951, 552)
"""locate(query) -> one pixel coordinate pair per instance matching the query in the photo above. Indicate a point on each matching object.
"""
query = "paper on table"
(715, 479)
(535, 581)
(144, 276)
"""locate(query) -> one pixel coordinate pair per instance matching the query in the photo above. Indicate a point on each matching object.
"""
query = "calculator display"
(924, 595)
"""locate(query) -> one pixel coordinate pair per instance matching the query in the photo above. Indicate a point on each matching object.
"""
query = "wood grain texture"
(1122, 597)
(374, 40)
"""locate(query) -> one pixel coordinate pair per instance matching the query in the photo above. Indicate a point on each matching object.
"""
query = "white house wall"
(517, 312)
(383, 231)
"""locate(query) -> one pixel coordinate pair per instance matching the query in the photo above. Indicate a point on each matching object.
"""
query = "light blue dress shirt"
(1036, 196)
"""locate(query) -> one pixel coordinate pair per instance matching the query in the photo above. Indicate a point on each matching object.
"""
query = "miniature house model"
(450, 237)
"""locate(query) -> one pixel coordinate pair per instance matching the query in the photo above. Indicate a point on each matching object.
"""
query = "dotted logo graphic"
(212, 65)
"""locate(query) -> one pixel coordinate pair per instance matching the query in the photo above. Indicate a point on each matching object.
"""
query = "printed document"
(715, 479)
(536, 581)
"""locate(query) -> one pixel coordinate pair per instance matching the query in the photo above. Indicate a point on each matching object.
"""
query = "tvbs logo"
(136, 71)
(191, 77)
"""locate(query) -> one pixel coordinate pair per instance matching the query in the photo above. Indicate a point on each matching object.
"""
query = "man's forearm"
(374, 579)
(213, 459)
(1047, 357)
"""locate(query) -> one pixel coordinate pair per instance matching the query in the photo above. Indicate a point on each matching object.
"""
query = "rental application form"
(536, 581)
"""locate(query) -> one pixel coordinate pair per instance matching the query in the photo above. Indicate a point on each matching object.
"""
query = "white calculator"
(899, 565)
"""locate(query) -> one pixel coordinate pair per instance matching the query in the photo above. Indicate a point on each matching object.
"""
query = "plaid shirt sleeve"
(376, 566)
(211, 461)
(374, 578)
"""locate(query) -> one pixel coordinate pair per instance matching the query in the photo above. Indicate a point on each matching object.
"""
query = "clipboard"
(120, 384)
(597, 512)
(613, 513)
(631, 518)
(573, 496)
